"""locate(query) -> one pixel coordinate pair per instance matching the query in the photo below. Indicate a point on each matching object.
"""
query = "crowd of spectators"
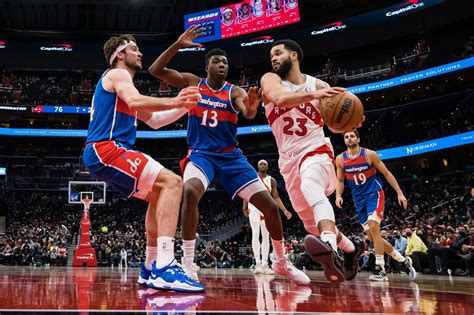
(436, 230)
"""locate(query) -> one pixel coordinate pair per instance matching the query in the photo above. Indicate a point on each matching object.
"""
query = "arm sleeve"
(163, 118)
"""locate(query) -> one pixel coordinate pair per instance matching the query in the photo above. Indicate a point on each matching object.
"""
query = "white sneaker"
(410, 271)
(267, 270)
(284, 267)
(258, 269)
(190, 268)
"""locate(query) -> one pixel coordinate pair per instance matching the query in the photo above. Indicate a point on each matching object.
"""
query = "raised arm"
(277, 198)
(120, 81)
(340, 174)
(246, 103)
(172, 77)
(380, 166)
(272, 92)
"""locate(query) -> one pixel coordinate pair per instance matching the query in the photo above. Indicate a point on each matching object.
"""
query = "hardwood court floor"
(27, 289)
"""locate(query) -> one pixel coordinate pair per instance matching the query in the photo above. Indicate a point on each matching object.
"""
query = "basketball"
(342, 112)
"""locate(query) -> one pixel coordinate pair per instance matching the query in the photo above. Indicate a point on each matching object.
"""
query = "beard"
(284, 68)
(134, 66)
(352, 145)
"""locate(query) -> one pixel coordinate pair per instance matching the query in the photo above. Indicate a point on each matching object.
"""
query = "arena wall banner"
(392, 153)
(427, 146)
(412, 77)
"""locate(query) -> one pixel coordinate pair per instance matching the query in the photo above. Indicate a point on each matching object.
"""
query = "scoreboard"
(243, 18)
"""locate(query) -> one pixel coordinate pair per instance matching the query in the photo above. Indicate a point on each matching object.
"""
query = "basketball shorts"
(232, 169)
(370, 207)
(131, 172)
(255, 215)
(316, 166)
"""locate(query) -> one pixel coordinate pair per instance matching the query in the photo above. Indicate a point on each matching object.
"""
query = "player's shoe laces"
(144, 275)
(351, 260)
(190, 268)
(378, 275)
(323, 254)
(409, 269)
(284, 267)
(173, 277)
(258, 269)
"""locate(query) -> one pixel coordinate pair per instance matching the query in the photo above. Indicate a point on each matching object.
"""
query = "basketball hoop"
(86, 202)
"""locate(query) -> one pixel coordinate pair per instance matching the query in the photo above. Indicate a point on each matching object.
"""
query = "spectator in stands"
(400, 243)
(417, 250)
(449, 255)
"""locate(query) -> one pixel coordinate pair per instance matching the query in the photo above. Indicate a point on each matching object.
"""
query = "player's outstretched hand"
(246, 212)
(339, 202)
(288, 215)
(402, 201)
(328, 92)
(189, 97)
(253, 97)
(186, 39)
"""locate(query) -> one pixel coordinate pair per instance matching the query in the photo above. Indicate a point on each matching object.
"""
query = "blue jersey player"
(109, 156)
(358, 167)
(213, 152)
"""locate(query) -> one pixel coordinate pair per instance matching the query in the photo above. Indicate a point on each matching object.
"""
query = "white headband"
(262, 161)
(119, 49)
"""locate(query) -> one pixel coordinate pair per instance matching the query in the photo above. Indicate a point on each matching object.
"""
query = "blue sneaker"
(173, 277)
(144, 275)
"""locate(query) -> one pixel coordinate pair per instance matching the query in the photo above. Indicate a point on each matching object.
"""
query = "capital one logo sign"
(406, 6)
(196, 48)
(3, 45)
(262, 40)
(57, 47)
(331, 27)
(85, 256)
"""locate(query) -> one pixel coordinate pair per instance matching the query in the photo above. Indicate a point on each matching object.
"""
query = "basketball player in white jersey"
(257, 221)
(306, 161)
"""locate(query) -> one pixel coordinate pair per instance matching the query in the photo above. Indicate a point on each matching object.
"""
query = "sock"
(151, 254)
(379, 261)
(346, 245)
(165, 252)
(279, 248)
(397, 256)
(328, 236)
(188, 249)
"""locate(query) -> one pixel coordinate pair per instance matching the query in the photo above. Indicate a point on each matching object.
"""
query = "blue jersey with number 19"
(361, 177)
(212, 124)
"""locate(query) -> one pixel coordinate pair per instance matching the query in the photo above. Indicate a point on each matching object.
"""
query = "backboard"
(78, 190)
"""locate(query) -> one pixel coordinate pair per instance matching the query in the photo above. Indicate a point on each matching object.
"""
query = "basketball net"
(87, 203)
